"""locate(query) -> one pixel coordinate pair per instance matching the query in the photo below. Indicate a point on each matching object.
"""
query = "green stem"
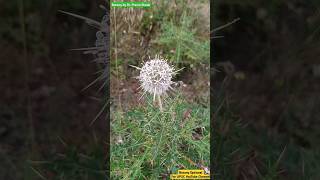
(160, 103)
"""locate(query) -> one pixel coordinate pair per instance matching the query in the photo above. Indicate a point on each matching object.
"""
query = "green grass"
(179, 38)
(149, 144)
(182, 40)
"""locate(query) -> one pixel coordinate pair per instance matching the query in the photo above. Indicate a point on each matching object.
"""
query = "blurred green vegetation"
(37, 17)
(243, 151)
(266, 120)
(73, 164)
(48, 36)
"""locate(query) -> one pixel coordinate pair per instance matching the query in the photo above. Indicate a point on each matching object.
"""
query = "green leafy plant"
(181, 42)
(149, 144)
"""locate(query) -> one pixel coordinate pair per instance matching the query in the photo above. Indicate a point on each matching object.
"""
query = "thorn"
(135, 67)
(178, 70)
(142, 95)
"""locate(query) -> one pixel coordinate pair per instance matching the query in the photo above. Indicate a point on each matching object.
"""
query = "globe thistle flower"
(156, 77)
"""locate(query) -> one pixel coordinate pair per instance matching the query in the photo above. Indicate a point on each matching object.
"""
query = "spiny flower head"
(156, 76)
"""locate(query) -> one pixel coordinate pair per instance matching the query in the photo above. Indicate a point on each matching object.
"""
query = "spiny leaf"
(89, 21)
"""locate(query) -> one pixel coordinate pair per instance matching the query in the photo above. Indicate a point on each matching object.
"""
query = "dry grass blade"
(84, 49)
(38, 173)
(87, 20)
(100, 112)
(226, 25)
(281, 155)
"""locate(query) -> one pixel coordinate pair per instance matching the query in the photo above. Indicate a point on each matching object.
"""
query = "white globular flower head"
(156, 76)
